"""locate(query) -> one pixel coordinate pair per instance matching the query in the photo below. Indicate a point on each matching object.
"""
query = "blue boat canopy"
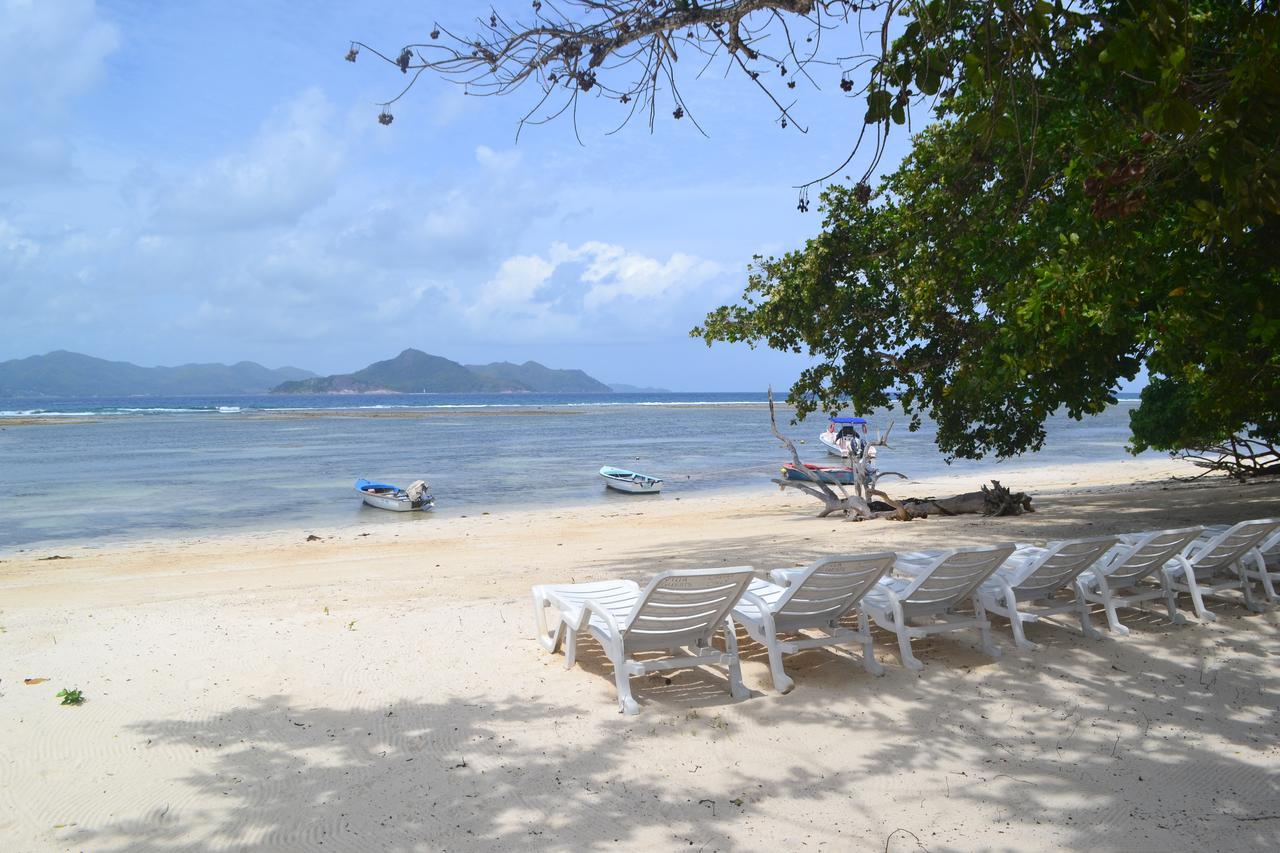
(848, 420)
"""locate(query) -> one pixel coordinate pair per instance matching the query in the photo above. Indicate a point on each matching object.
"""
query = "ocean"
(89, 470)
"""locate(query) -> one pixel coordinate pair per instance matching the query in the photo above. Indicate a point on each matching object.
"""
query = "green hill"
(414, 371)
(535, 377)
(70, 374)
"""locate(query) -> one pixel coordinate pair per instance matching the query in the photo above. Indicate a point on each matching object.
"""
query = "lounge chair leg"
(737, 689)
(984, 627)
(1264, 575)
(548, 639)
(781, 681)
(1247, 588)
(1015, 623)
(1171, 600)
(1109, 605)
(909, 660)
(1086, 621)
(626, 702)
(570, 649)
(1197, 601)
(868, 646)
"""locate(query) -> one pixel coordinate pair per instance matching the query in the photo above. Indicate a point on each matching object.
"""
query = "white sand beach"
(381, 689)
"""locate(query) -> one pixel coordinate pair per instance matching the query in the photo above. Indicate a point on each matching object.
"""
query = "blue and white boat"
(396, 499)
(630, 481)
(844, 436)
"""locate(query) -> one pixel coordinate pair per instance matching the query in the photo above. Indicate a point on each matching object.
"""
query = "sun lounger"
(678, 612)
(814, 598)
(1116, 580)
(1266, 564)
(936, 585)
(1209, 567)
(1036, 576)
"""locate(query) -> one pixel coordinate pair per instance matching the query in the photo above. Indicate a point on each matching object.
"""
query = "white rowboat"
(629, 481)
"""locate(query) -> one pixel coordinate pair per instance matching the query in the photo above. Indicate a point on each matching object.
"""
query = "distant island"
(414, 371)
(70, 374)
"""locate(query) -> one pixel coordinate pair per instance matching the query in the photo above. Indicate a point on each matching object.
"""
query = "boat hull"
(828, 440)
(831, 476)
(630, 482)
(384, 496)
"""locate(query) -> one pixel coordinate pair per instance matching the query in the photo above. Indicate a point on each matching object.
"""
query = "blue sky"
(206, 181)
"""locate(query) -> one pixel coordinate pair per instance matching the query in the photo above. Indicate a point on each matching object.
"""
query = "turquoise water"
(103, 470)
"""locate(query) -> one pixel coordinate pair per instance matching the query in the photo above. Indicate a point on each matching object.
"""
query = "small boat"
(630, 481)
(842, 436)
(827, 474)
(386, 496)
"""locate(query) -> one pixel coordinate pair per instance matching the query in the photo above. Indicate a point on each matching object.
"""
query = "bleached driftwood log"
(997, 500)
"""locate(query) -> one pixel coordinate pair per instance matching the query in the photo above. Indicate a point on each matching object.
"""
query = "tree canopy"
(1099, 189)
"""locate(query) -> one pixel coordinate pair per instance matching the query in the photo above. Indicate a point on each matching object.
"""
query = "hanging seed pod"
(385, 118)
(352, 53)
(403, 61)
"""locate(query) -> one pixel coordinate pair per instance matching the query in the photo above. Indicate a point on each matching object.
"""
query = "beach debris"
(71, 697)
(351, 626)
(34, 680)
(995, 501)
(53, 557)
(313, 538)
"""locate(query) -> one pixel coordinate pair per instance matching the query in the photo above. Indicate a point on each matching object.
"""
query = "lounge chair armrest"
(591, 607)
(783, 577)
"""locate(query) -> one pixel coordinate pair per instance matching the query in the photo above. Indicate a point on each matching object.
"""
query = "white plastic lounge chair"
(679, 612)
(1036, 576)
(1116, 580)
(1208, 567)
(938, 584)
(816, 597)
(1266, 561)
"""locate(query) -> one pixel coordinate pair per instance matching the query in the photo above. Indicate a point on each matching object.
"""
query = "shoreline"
(1048, 480)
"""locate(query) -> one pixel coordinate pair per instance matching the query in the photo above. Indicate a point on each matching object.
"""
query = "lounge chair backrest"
(951, 578)
(1060, 565)
(1133, 561)
(828, 589)
(684, 607)
(1233, 543)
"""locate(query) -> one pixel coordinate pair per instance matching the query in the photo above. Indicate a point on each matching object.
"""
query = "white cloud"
(497, 161)
(15, 248)
(290, 167)
(579, 291)
(50, 53)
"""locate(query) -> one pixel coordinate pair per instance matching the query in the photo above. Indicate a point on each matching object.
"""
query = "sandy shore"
(380, 689)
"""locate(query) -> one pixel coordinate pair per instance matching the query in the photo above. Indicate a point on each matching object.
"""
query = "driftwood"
(997, 500)
(1238, 457)
(856, 506)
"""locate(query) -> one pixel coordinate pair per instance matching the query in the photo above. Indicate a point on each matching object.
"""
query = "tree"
(1099, 189)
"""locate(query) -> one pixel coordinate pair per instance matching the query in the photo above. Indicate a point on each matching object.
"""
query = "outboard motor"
(418, 494)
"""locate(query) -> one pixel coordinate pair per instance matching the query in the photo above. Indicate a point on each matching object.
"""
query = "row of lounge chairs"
(911, 594)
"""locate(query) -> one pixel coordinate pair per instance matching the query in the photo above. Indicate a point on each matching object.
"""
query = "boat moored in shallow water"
(630, 481)
(844, 436)
(396, 499)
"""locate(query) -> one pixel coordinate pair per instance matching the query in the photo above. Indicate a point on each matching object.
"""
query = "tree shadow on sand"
(1176, 755)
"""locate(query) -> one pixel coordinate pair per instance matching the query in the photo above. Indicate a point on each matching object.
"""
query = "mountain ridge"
(414, 371)
(72, 374)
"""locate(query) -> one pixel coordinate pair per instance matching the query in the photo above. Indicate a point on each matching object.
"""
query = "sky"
(206, 181)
